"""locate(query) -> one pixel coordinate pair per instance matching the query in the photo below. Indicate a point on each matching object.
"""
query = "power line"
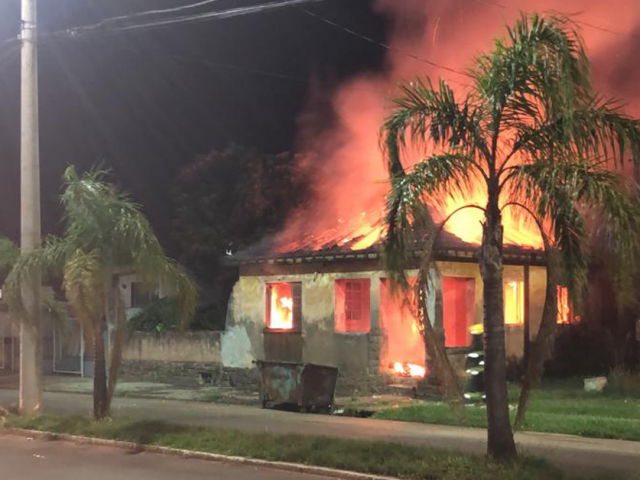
(380, 44)
(153, 12)
(99, 28)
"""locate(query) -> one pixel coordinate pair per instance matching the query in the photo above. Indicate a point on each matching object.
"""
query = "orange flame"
(564, 307)
(409, 370)
(353, 177)
(280, 307)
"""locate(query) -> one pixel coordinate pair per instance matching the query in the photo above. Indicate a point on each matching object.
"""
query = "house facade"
(337, 307)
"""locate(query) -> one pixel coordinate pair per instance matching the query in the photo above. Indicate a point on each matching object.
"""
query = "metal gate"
(68, 348)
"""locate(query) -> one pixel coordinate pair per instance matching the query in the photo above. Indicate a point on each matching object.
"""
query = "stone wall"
(177, 358)
(189, 374)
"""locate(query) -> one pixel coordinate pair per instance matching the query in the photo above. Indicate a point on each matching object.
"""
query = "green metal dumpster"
(306, 386)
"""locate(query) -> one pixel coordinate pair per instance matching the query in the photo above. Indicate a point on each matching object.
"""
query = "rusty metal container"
(309, 387)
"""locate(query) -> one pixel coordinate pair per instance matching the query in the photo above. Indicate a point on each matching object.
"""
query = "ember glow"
(352, 178)
(402, 346)
(564, 307)
(409, 370)
(280, 305)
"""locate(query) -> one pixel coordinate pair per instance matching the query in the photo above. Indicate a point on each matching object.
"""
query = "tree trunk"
(501, 445)
(100, 393)
(541, 347)
(119, 339)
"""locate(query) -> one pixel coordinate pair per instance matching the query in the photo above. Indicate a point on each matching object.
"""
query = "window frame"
(296, 312)
(344, 306)
(470, 293)
(136, 289)
(520, 302)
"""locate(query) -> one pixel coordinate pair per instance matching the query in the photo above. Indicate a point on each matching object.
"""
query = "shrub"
(160, 316)
(580, 350)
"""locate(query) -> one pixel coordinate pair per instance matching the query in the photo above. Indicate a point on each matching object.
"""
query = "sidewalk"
(576, 455)
(157, 390)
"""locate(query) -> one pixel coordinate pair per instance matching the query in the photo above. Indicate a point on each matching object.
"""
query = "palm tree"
(105, 233)
(531, 131)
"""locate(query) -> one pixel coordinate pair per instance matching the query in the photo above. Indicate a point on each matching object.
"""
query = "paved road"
(24, 459)
(574, 454)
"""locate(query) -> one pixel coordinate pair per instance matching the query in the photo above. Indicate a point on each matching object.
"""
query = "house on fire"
(328, 301)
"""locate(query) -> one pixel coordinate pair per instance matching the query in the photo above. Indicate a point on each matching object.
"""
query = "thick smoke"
(350, 178)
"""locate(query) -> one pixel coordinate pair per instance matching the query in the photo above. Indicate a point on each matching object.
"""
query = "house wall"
(537, 289)
(357, 355)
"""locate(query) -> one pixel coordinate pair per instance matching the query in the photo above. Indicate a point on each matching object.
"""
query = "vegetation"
(161, 316)
(105, 233)
(9, 253)
(558, 407)
(534, 135)
(378, 458)
(227, 200)
(625, 383)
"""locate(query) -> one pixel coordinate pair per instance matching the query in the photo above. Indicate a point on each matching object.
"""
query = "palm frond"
(433, 116)
(599, 129)
(564, 192)
(101, 219)
(86, 284)
(439, 176)
(540, 72)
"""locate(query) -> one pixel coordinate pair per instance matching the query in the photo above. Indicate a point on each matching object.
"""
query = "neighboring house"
(136, 295)
(334, 305)
(70, 353)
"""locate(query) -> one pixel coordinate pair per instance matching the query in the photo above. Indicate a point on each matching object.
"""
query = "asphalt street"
(28, 459)
(576, 455)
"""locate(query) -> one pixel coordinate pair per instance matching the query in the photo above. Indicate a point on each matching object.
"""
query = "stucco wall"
(243, 341)
(199, 347)
(355, 354)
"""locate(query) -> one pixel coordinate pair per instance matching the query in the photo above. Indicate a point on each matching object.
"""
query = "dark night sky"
(144, 103)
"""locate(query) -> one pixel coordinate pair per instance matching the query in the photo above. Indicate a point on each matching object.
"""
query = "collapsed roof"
(353, 242)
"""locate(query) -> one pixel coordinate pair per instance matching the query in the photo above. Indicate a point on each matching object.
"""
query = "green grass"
(403, 461)
(558, 407)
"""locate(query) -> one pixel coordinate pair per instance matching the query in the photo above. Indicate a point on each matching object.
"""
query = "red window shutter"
(458, 308)
(352, 309)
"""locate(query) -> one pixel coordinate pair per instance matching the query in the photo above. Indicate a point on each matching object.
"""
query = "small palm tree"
(105, 233)
(531, 131)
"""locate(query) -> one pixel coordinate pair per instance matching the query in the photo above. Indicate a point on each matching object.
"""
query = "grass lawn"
(557, 407)
(380, 458)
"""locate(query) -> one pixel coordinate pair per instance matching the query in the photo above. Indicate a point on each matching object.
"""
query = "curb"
(189, 454)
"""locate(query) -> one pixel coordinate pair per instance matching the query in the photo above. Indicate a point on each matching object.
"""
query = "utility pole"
(30, 397)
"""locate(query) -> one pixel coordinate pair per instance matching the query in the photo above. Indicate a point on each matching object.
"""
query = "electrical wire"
(380, 44)
(99, 28)
(153, 12)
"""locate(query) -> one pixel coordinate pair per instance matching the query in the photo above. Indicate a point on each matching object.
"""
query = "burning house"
(318, 292)
(329, 301)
